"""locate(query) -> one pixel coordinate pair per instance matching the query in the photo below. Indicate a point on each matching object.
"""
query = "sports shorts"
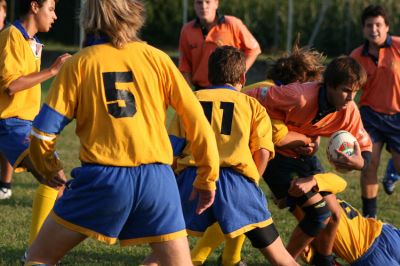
(281, 170)
(382, 127)
(239, 205)
(14, 139)
(133, 204)
(384, 250)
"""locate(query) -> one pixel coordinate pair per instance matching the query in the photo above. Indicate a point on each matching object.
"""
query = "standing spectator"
(125, 189)
(380, 100)
(201, 36)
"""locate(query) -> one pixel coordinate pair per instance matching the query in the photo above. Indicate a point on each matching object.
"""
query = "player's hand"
(206, 199)
(301, 186)
(55, 67)
(346, 162)
(58, 180)
(309, 149)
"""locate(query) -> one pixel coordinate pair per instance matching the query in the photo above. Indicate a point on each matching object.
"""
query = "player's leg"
(174, 252)
(369, 182)
(233, 247)
(212, 238)
(6, 178)
(268, 242)
(43, 201)
(52, 243)
(316, 218)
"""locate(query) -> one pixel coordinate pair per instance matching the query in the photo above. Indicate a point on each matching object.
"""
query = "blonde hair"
(120, 20)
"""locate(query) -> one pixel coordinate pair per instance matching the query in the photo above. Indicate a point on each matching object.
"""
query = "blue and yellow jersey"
(241, 127)
(119, 99)
(355, 234)
(19, 56)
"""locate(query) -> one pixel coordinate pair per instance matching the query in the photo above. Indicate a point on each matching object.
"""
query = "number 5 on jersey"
(115, 96)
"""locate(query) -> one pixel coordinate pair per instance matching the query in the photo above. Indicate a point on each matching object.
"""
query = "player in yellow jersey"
(118, 89)
(302, 65)
(359, 241)
(244, 137)
(20, 78)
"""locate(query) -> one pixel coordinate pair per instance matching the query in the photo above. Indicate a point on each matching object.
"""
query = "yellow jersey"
(119, 99)
(19, 56)
(241, 127)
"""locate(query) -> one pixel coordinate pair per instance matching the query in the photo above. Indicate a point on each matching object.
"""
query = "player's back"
(241, 126)
(119, 99)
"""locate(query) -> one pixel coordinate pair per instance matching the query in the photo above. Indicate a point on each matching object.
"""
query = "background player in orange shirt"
(201, 36)
(380, 99)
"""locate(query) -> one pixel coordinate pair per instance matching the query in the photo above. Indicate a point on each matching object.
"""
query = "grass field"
(15, 215)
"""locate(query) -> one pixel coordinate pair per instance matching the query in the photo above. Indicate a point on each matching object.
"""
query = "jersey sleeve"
(356, 128)
(11, 60)
(197, 129)
(249, 44)
(279, 101)
(185, 64)
(54, 115)
(279, 130)
(261, 131)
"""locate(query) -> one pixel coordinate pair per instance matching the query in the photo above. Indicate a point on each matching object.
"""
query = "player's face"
(341, 96)
(206, 10)
(46, 16)
(375, 30)
(3, 15)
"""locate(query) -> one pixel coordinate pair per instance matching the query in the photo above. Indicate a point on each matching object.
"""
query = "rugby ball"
(341, 140)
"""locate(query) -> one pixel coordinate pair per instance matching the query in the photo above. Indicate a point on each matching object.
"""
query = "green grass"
(15, 216)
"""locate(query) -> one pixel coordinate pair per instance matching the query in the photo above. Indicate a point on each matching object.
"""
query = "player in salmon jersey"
(305, 112)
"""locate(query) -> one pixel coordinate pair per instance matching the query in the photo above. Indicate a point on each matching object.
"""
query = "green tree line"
(339, 28)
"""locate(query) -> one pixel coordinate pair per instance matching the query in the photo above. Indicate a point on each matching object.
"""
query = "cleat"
(5, 193)
(390, 178)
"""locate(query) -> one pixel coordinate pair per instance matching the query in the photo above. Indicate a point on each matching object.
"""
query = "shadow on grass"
(10, 256)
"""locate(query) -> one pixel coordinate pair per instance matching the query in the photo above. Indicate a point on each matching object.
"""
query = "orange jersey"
(195, 48)
(297, 105)
(382, 90)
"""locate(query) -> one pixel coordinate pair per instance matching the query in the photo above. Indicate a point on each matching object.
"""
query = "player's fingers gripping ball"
(340, 144)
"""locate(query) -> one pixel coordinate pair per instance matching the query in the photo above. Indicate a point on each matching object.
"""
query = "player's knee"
(316, 217)
(262, 237)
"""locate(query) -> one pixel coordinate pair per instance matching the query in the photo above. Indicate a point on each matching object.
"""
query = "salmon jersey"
(119, 99)
(382, 90)
(19, 56)
(241, 126)
(355, 234)
(263, 86)
(196, 45)
(298, 106)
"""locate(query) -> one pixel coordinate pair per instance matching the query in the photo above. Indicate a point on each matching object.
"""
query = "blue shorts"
(239, 206)
(382, 128)
(133, 204)
(384, 250)
(282, 170)
(14, 139)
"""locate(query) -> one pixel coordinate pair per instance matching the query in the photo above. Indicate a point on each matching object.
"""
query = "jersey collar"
(388, 43)
(324, 107)
(229, 87)
(95, 39)
(24, 33)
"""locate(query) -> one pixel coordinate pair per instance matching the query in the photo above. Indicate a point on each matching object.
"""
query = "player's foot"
(240, 263)
(25, 256)
(5, 193)
(390, 178)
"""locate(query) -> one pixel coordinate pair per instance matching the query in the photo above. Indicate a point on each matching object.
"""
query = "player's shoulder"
(357, 51)
(232, 19)
(11, 33)
(188, 26)
(396, 41)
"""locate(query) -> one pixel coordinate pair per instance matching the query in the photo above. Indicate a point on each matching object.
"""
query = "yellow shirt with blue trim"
(119, 99)
(19, 56)
(355, 234)
(241, 127)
